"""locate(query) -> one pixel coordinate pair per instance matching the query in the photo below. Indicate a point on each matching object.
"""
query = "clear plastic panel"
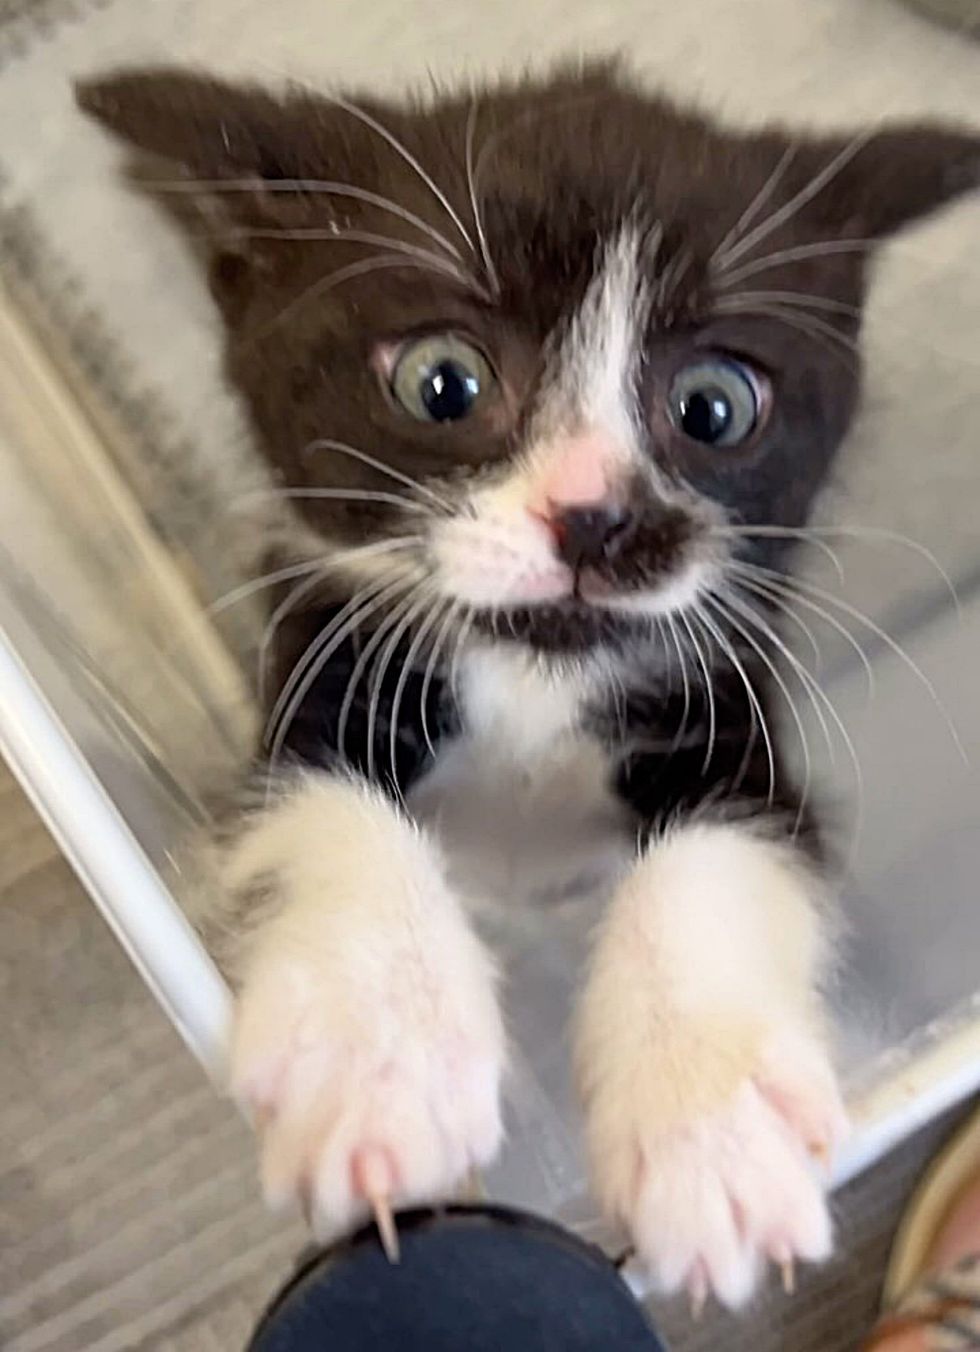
(132, 669)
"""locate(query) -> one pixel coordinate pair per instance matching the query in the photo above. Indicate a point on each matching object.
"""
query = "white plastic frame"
(118, 876)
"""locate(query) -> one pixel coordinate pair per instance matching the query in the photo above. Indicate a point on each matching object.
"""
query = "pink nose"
(574, 497)
(578, 473)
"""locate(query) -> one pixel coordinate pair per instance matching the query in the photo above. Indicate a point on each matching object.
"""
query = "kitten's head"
(572, 343)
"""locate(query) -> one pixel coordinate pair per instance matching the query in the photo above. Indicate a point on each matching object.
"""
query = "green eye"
(440, 378)
(716, 401)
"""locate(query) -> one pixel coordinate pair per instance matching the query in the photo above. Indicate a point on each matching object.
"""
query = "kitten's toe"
(798, 1080)
(389, 1112)
(710, 1203)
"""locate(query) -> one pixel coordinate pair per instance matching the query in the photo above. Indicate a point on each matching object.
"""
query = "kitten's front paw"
(372, 1069)
(709, 1202)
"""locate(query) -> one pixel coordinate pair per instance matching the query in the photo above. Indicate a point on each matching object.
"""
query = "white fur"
(499, 555)
(521, 801)
(669, 597)
(500, 552)
(368, 1034)
(702, 1061)
(517, 705)
(597, 364)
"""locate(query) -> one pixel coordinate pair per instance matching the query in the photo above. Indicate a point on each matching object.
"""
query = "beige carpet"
(129, 1212)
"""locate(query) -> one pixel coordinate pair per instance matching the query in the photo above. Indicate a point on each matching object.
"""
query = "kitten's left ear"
(237, 149)
(208, 127)
(896, 176)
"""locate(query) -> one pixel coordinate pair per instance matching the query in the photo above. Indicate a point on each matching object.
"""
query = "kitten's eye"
(717, 401)
(440, 378)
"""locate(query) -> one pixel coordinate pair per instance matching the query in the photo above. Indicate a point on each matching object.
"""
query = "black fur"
(313, 733)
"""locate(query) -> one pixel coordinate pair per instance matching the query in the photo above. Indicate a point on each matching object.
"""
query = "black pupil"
(448, 390)
(706, 414)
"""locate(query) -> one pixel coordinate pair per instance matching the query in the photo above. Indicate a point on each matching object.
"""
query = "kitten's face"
(594, 334)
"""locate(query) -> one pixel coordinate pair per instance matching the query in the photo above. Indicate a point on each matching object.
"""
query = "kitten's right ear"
(211, 128)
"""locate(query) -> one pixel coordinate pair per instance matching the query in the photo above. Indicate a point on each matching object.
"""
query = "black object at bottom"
(471, 1279)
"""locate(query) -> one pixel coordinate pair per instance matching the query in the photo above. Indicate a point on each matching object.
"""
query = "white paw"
(368, 1043)
(356, 1101)
(709, 1203)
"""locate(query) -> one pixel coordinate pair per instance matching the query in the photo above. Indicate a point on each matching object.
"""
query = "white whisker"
(652, 245)
(390, 138)
(246, 589)
(306, 670)
(809, 324)
(685, 681)
(430, 667)
(315, 234)
(340, 495)
(361, 268)
(708, 689)
(718, 605)
(793, 299)
(491, 271)
(882, 634)
(795, 254)
(364, 596)
(326, 187)
(743, 606)
(779, 595)
(375, 640)
(417, 602)
(342, 447)
(436, 609)
(789, 209)
(817, 697)
(756, 711)
(381, 130)
(672, 275)
(869, 533)
(294, 597)
(304, 589)
(750, 532)
(771, 599)
(458, 650)
(661, 628)
(756, 205)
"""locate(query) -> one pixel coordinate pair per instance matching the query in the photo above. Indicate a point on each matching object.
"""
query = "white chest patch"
(518, 710)
(522, 802)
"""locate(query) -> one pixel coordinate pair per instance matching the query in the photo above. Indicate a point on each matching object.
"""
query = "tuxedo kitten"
(549, 376)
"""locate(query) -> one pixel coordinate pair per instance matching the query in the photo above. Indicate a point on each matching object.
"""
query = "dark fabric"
(480, 1279)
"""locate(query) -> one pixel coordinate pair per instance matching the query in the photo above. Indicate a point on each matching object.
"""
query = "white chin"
(676, 593)
(538, 591)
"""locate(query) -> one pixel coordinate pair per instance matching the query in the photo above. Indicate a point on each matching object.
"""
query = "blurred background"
(129, 1214)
